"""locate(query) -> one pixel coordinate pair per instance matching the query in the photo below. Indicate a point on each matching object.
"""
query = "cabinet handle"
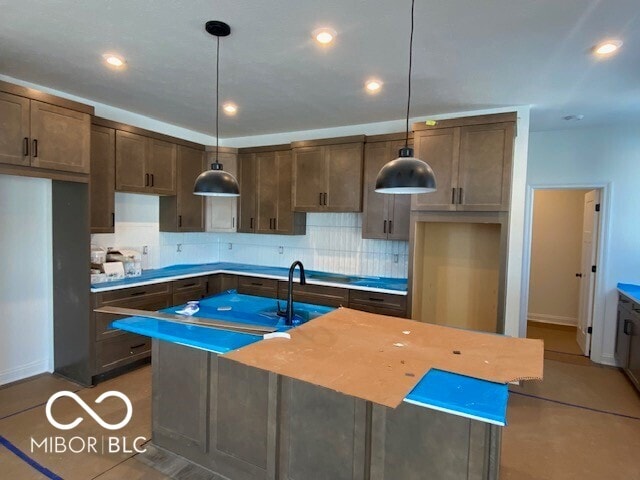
(35, 148)
(374, 299)
(251, 223)
(25, 146)
(180, 220)
(622, 300)
(146, 179)
(256, 284)
(325, 198)
(188, 285)
(384, 227)
(320, 198)
(461, 196)
(233, 222)
(113, 219)
(152, 180)
(390, 226)
(627, 331)
(275, 223)
(453, 195)
(134, 347)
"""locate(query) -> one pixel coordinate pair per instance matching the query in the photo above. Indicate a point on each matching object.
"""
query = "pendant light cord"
(406, 138)
(217, 93)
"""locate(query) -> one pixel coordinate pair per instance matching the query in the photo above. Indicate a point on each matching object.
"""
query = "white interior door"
(587, 283)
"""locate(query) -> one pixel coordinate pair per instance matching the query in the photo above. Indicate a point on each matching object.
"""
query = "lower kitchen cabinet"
(262, 287)
(627, 352)
(189, 289)
(315, 294)
(380, 303)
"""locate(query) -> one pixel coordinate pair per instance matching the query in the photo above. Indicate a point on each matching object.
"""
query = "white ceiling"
(469, 55)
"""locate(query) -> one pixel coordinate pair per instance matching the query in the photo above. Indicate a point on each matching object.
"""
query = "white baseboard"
(555, 319)
(605, 359)
(24, 371)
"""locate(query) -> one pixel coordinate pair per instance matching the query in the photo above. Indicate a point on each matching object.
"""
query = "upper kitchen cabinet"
(472, 160)
(327, 175)
(102, 180)
(221, 213)
(265, 192)
(385, 216)
(145, 164)
(183, 212)
(41, 135)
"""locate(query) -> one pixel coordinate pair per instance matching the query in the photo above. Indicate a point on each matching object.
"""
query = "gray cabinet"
(627, 352)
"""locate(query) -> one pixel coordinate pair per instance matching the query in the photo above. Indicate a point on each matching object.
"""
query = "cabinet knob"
(579, 275)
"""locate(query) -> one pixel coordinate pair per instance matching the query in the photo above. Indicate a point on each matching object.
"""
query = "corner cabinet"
(183, 212)
(42, 135)
(472, 160)
(102, 180)
(144, 164)
(265, 198)
(385, 216)
(327, 175)
(221, 213)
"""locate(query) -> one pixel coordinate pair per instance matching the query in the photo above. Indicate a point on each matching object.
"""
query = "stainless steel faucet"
(288, 312)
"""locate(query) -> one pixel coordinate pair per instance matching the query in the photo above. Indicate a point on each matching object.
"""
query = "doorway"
(563, 264)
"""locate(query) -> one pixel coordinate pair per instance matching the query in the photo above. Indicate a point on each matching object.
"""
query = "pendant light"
(216, 182)
(406, 174)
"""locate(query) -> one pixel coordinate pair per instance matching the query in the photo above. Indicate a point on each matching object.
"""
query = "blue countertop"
(176, 272)
(438, 390)
(630, 290)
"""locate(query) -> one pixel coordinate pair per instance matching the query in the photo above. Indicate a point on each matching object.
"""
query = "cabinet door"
(131, 162)
(222, 212)
(633, 370)
(287, 221)
(309, 179)
(61, 138)
(623, 332)
(375, 205)
(484, 177)
(103, 177)
(190, 206)
(399, 206)
(344, 177)
(14, 129)
(247, 169)
(161, 167)
(267, 180)
(440, 149)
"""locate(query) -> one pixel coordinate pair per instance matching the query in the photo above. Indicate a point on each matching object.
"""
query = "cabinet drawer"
(152, 303)
(121, 350)
(262, 287)
(378, 300)
(392, 312)
(117, 295)
(315, 294)
(195, 283)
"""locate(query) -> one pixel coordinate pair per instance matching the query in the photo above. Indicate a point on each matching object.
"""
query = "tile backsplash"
(333, 243)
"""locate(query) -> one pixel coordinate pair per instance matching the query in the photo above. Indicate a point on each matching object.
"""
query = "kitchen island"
(246, 423)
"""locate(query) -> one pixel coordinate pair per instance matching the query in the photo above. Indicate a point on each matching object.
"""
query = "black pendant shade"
(216, 183)
(406, 175)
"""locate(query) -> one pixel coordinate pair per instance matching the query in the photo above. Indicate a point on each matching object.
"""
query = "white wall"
(609, 156)
(554, 289)
(26, 305)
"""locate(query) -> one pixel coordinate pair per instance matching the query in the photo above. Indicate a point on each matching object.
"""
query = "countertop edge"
(244, 274)
(621, 289)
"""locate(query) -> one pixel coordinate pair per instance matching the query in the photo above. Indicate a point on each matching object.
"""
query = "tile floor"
(582, 422)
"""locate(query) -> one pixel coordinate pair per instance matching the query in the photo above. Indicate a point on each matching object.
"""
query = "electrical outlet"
(396, 258)
(179, 247)
(145, 250)
(280, 250)
(230, 246)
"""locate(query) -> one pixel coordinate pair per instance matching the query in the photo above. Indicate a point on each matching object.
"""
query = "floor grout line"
(567, 404)
(113, 466)
(32, 407)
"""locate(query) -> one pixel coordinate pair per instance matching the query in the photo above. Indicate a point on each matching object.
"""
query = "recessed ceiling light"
(373, 86)
(230, 108)
(324, 36)
(607, 47)
(113, 60)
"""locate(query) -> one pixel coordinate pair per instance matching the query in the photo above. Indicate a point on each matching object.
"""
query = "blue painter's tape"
(28, 460)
